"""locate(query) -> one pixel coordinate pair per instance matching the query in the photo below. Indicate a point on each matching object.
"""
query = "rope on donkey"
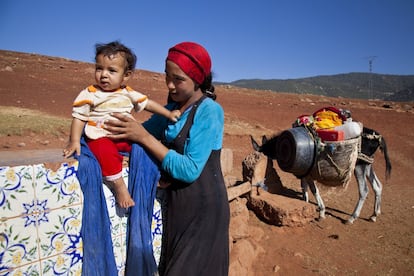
(363, 156)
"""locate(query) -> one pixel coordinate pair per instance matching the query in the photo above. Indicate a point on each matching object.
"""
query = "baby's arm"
(73, 145)
(156, 108)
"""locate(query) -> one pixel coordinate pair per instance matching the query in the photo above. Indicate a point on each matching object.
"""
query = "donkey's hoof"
(349, 222)
(321, 217)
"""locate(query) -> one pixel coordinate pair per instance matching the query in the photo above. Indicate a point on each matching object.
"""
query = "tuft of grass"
(16, 121)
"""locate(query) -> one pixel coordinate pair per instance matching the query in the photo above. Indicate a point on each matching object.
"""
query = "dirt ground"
(326, 247)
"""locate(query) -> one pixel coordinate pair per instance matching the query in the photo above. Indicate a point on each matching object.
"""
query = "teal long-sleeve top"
(206, 134)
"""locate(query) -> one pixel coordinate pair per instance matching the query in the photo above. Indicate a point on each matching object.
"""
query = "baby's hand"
(174, 115)
(71, 148)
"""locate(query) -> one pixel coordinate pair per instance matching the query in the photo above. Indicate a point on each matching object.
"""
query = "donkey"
(371, 140)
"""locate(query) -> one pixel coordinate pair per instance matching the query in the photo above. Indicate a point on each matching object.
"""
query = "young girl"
(93, 106)
(196, 237)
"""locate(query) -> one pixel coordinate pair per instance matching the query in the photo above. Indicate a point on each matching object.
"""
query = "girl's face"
(181, 87)
(110, 72)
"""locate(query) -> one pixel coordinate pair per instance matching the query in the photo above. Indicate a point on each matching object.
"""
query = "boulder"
(281, 210)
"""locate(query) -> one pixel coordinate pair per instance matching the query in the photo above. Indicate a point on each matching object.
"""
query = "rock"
(244, 254)
(259, 170)
(281, 210)
(239, 226)
(45, 142)
(230, 180)
(226, 160)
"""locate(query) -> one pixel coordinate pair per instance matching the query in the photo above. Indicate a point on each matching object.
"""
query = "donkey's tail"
(388, 166)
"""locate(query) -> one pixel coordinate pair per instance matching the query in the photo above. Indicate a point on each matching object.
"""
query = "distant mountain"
(405, 95)
(352, 85)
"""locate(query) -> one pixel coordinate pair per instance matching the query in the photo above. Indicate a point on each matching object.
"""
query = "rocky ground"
(326, 247)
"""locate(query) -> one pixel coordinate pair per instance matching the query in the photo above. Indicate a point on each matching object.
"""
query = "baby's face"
(110, 71)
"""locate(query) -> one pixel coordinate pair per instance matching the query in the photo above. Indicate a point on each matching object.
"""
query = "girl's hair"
(207, 87)
(115, 47)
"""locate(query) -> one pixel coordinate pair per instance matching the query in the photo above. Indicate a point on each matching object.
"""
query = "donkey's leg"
(360, 172)
(377, 187)
(304, 185)
(315, 191)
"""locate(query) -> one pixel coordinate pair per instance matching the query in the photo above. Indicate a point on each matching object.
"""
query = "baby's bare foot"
(122, 196)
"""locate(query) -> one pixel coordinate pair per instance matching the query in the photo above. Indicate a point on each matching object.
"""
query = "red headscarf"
(193, 59)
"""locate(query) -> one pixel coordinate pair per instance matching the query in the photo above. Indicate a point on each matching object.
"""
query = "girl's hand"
(125, 128)
(129, 129)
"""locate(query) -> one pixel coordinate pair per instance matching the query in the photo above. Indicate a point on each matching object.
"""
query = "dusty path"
(30, 157)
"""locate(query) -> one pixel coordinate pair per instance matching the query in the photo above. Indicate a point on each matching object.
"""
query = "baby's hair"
(112, 48)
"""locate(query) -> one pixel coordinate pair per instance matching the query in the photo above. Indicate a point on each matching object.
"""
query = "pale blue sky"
(265, 39)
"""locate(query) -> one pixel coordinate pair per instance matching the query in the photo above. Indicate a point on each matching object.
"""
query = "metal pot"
(296, 151)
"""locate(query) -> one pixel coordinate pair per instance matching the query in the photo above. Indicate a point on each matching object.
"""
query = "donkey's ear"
(255, 145)
(264, 140)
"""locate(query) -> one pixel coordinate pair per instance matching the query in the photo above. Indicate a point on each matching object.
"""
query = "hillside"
(352, 85)
(322, 247)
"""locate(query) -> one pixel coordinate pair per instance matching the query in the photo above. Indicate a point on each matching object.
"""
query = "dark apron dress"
(196, 231)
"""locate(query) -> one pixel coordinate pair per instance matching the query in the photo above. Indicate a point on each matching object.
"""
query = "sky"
(262, 39)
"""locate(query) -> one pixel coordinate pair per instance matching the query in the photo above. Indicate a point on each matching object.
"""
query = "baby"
(114, 65)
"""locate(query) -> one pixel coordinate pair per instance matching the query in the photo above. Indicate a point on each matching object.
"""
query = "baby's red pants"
(106, 151)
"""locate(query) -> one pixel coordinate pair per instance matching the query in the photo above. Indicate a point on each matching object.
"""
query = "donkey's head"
(268, 146)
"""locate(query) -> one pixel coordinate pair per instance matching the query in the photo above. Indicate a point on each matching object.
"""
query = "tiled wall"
(41, 218)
